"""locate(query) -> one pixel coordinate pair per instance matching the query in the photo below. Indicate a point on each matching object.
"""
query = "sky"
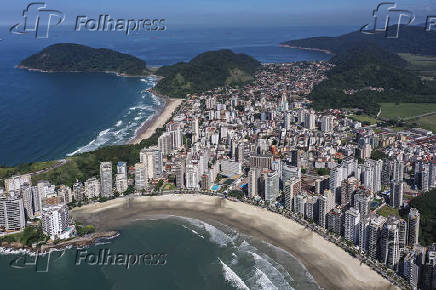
(226, 13)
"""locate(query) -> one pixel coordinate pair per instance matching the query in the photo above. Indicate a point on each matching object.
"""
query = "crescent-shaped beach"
(330, 266)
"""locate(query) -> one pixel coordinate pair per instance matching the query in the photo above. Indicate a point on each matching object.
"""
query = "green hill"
(412, 39)
(206, 71)
(69, 57)
(363, 68)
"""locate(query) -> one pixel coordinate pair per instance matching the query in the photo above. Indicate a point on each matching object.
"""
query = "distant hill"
(412, 39)
(206, 71)
(70, 57)
(365, 75)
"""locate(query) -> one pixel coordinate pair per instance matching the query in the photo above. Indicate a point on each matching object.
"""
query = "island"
(71, 57)
(206, 71)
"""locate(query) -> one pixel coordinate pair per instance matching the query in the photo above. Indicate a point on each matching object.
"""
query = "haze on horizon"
(226, 13)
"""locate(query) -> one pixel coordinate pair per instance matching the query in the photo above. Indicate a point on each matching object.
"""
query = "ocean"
(192, 255)
(48, 116)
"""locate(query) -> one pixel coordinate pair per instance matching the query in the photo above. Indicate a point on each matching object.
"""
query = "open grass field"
(427, 122)
(364, 119)
(423, 65)
(387, 211)
(405, 110)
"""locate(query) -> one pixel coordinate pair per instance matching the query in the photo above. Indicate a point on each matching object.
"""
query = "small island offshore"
(316, 158)
(70, 57)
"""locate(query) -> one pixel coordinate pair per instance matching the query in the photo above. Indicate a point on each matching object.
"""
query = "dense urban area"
(262, 143)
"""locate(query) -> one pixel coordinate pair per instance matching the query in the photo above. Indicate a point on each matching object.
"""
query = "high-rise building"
(272, 186)
(309, 120)
(291, 188)
(351, 228)
(121, 177)
(106, 179)
(140, 176)
(327, 124)
(261, 161)
(335, 221)
(152, 158)
(300, 204)
(396, 197)
(326, 204)
(65, 192)
(180, 174)
(253, 180)
(12, 215)
(411, 270)
(15, 182)
(312, 210)
(374, 235)
(92, 188)
(79, 191)
(386, 172)
(55, 220)
(362, 203)
(192, 181)
(398, 172)
(195, 130)
(364, 223)
(336, 177)
(27, 195)
(413, 227)
(348, 187)
(389, 243)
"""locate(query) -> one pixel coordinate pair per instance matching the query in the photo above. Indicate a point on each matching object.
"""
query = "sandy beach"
(330, 266)
(149, 127)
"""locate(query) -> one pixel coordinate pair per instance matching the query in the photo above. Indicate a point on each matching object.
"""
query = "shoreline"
(76, 242)
(123, 75)
(331, 267)
(158, 120)
(307, 48)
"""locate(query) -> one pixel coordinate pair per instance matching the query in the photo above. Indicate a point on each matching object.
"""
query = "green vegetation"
(387, 211)
(366, 66)
(69, 57)
(206, 71)
(427, 122)
(364, 119)
(425, 66)
(30, 235)
(405, 110)
(237, 194)
(414, 39)
(377, 154)
(84, 230)
(323, 171)
(426, 204)
(158, 185)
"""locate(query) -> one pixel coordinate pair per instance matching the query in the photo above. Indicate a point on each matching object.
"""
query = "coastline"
(331, 267)
(88, 240)
(149, 127)
(106, 72)
(307, 48)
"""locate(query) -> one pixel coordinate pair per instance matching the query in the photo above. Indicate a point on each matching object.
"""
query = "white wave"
(194, 232)
(232, 277)
(275, 273)
(119, 123)
(262, 280)
(235, 259)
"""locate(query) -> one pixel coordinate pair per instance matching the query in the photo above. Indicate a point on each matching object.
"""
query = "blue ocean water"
(47, 116)
(198, 255)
